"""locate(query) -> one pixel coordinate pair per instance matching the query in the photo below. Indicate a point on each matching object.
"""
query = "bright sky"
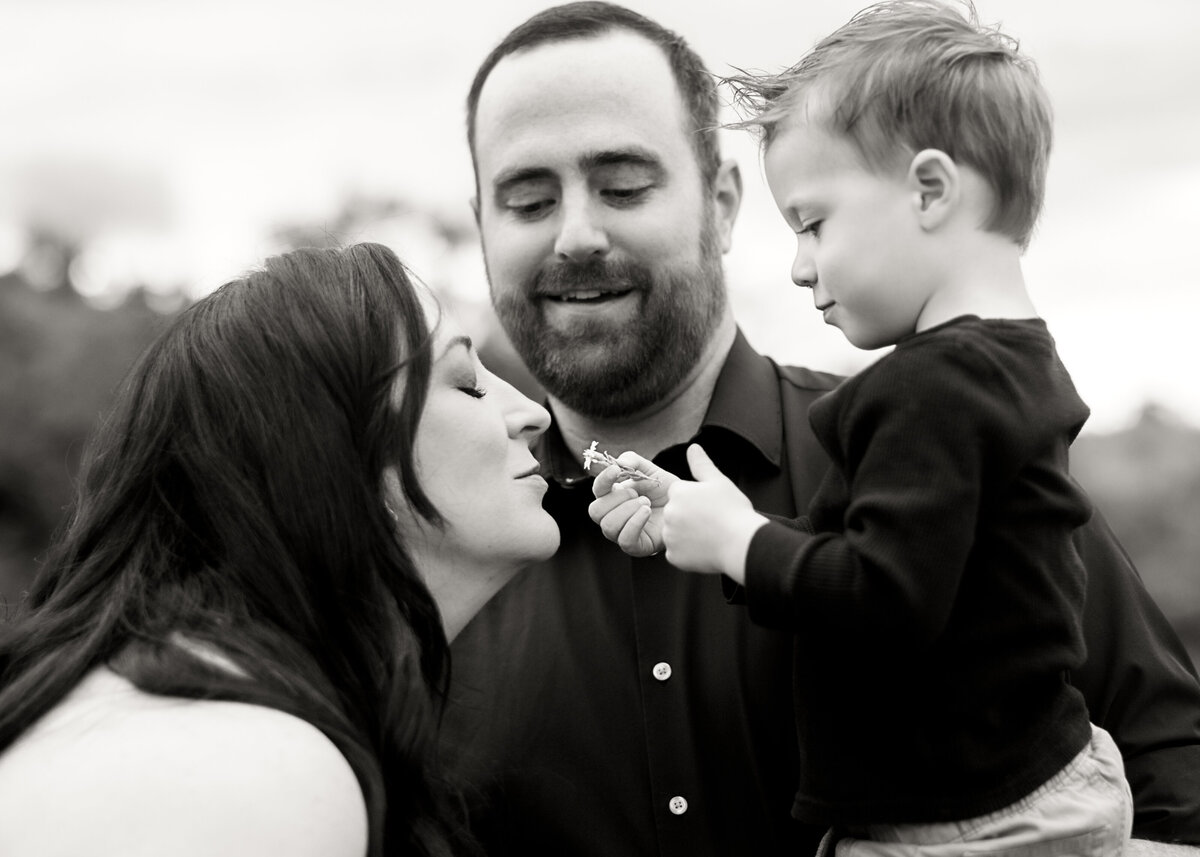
(218, 121)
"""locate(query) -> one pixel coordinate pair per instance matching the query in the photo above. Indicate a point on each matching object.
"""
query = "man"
(603, 705)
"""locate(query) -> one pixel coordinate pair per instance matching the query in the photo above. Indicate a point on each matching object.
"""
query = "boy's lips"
(825, 306)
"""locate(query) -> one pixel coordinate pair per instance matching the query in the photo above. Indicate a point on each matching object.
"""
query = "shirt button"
(678, 805)
(662, 672)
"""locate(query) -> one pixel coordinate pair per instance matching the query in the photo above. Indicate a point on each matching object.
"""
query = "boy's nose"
(804, 271)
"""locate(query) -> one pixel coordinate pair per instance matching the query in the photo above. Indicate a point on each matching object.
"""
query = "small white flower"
(591, 456)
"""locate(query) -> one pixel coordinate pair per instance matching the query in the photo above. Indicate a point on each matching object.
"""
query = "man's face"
(598, 234)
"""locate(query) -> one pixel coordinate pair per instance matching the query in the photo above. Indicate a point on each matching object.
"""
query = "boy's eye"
(812, 227)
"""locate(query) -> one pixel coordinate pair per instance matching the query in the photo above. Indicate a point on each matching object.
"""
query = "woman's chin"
(544, 540)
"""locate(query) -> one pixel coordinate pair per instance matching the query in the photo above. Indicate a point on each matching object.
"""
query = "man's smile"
(587, 295)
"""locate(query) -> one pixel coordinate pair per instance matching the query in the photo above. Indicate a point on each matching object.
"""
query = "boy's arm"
(1140, 685)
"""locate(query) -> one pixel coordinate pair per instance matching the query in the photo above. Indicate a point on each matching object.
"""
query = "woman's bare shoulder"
(113, 770)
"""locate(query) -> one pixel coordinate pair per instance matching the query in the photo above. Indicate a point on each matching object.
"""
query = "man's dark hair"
(590, 19)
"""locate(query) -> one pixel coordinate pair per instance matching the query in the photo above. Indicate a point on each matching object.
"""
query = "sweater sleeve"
(917, 436)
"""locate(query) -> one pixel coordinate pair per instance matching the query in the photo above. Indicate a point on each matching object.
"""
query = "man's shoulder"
(746, 364)
(806, 379)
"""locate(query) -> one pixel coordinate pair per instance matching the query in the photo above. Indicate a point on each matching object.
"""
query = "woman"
(239, 644)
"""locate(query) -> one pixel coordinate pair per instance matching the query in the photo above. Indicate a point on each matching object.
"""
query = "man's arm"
(1140, 685)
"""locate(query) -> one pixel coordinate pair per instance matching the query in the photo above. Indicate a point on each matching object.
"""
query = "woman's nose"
(522, 415)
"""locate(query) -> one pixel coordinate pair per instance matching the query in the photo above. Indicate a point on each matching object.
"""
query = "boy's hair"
(907, 75)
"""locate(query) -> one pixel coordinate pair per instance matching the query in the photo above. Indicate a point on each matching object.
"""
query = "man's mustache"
(596, 275)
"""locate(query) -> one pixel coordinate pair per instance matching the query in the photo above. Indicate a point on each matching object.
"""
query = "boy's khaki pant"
(1085, 810)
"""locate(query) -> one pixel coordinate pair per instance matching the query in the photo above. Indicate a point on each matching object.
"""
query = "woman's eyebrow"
(464, 341)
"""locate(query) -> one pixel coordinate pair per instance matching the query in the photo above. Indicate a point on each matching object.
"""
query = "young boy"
(933, 589)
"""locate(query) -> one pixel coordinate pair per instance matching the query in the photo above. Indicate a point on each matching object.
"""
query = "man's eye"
(475, 392)
(624, 194)
(530, 208)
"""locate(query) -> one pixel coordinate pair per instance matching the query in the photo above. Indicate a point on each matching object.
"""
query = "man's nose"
(581, 234)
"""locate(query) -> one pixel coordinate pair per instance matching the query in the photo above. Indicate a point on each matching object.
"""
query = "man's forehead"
(618, 53)
(611, 91)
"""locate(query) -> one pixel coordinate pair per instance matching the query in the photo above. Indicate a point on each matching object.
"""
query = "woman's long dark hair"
(234, 497)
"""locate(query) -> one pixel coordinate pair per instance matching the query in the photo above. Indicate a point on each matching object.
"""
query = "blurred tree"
(60, 360)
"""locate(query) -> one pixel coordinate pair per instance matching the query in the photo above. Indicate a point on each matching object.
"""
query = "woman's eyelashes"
(467, 381)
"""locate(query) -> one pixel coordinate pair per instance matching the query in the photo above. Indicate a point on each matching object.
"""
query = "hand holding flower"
(708, 524)
(630, 494)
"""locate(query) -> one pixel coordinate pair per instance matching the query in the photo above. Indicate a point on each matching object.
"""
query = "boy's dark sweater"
(937, 607)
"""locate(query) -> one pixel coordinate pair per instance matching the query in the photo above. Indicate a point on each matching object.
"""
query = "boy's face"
(858, 241)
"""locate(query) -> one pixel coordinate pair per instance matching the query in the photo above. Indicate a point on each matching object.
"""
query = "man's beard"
(607, 369)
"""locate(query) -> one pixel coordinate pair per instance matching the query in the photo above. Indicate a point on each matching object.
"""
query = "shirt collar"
(745, 403)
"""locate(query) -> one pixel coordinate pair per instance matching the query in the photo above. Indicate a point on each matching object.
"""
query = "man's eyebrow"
(508, 178)
(632, 156)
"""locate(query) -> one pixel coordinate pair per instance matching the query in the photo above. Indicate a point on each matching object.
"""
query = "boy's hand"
(708, 524)
(629, 511)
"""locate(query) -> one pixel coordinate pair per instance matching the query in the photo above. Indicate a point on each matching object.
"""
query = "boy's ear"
(936, 184)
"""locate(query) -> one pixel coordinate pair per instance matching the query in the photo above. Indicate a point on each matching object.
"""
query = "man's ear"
(727, 199)
(936, 186)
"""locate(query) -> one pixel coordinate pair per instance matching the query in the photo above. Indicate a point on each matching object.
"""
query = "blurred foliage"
(61, 360)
